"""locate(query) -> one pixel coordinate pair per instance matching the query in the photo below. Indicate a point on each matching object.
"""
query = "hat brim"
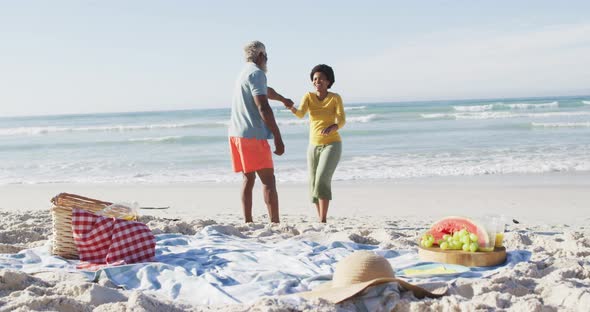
(339, 294)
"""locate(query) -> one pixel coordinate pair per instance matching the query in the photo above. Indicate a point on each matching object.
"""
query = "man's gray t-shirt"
(245, 121)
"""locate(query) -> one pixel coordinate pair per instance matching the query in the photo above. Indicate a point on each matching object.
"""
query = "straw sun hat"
(358, 271)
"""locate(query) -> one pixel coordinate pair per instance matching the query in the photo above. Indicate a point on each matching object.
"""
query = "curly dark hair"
(326, 70)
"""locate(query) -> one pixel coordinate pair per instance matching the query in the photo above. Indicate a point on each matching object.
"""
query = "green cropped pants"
(321, 162)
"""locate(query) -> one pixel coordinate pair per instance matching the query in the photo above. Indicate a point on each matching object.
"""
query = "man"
(252, 123)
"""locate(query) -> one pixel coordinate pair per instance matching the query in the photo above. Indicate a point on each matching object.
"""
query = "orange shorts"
(250, 154)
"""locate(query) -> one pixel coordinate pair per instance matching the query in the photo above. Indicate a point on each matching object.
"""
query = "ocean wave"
(355, 119)
(586, 102)
(362, 119)
(438, 116)
(373, 167)
(346, 108)
(185, 140)
(292, 121)
(474, 108)
(499, 115)
(158, 139)
(188, 140)
(561, 124)
(553, 104)
(498, 106)
(354, 108)
(497, 162)
(107, 128)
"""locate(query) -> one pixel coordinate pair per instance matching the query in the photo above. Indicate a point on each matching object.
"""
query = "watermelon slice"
(450, 225)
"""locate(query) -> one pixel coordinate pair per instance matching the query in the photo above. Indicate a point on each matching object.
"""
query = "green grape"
(427, 240)
(456, 235)
(446, 237)
(463, 232)
(456, 245)
(465, 240)
(473, 247)
(473, 237)
(465, 247)
(440, 241)
(444, 245)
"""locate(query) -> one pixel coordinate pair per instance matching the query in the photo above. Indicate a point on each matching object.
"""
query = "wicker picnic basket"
(63, 241)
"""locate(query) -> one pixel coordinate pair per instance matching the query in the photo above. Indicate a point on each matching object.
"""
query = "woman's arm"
(303, 107)
(340, 115)
(340, 118)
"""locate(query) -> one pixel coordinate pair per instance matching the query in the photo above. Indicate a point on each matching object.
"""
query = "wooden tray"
(470, 259)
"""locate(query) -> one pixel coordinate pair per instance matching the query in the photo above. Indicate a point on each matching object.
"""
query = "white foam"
(107, 128)
(498, 115)
(375, 167)
(551, 114)
(362, 119)
(489, 115)
(474, 108)
(586, 102)
(465, 164)
(513, 106)
(561, 124)
(31, 130)
(553, 104)
(157, 139)
(291, 121)
(348, 108)
(437, 116)
(355, 119)
(355, 108)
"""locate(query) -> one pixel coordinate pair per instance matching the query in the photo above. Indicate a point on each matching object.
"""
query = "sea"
(381, 141)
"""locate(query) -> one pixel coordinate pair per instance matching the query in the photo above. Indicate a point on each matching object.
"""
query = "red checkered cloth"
(109, 241)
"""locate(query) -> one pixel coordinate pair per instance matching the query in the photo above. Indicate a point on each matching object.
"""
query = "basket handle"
(59, 196)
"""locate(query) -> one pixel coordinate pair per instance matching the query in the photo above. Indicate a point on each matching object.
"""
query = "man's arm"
(269, 120)
(274, 95)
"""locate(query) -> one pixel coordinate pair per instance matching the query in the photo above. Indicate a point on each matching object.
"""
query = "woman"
(326, 117)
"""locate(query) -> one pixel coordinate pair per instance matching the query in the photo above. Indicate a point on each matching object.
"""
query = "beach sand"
(551, 210)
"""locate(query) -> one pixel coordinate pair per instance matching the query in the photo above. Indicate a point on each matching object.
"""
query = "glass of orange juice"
(489, 224)
(500, 228)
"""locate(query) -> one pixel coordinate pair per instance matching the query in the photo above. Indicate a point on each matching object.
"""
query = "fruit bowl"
(466, 258)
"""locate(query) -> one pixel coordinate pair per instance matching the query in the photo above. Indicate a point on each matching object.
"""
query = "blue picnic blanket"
(215, 268)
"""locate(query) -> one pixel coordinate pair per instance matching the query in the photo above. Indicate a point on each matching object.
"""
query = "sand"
(550, 209)
(556, 197)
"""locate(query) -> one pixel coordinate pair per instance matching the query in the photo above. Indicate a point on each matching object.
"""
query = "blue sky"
(102, 56)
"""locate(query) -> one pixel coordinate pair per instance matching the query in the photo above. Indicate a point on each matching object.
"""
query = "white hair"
(253, 49)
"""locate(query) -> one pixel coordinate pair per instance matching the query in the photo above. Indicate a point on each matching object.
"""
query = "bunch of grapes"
(460, 240)
(427, 240)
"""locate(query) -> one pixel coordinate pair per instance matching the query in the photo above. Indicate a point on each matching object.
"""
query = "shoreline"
(549, 197)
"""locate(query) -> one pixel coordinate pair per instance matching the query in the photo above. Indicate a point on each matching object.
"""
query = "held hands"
(279, 146)
(329, 129)
(288, 103)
